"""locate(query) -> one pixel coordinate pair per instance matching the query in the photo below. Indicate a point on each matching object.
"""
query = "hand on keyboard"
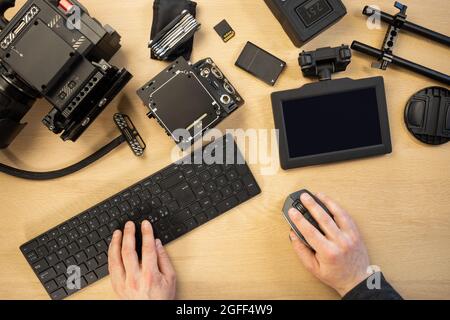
(153, 278)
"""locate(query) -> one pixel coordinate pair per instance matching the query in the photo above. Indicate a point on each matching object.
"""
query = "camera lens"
(16, 99)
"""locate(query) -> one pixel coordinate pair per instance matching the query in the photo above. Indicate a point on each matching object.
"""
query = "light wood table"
(400, 201)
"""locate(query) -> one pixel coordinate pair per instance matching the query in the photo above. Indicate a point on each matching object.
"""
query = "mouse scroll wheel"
(297, 205)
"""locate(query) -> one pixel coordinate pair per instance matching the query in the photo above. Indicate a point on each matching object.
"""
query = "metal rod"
(410, 26)
(376, 53)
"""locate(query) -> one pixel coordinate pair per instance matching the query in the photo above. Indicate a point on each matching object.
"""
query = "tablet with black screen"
(332, 121)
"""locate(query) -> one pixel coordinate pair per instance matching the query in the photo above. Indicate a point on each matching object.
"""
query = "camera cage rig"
(386, 56)
(54, 49)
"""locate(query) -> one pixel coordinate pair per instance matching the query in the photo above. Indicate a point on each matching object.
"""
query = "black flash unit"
(302, 20)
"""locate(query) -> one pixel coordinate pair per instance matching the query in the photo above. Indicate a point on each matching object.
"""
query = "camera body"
(188, 99)
(54, 49)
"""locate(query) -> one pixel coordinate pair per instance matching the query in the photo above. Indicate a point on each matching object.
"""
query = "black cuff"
(384, 291)
(164, 12)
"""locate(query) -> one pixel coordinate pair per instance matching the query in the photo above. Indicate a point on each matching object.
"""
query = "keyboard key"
(222, 180)
(47, 275)
(227, 192)
(61, 280)
(101, 246)
(210, 187)
(102, 259)
(243, 196)
(200, 192)
(91, 277)
(179, 230)
(195, 208)
(173, 206)
(59, 294)
(190, 224)
(60, 268)
(201, 218)
(93, 224)
(73, 235)
(183, 194)
(90, 251)
(51, 286)
(83, 229)
(227, 204)
(212, 213)
(102, 271)
(80, 257)
(91, 264)
(41, 265)
(42, 251)
(31, 256)
(206, 203)
(62, 253)
(93, 237)
(83, 242)
(73, 248)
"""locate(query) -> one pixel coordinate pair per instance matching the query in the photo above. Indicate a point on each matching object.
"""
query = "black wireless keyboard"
(175, 200)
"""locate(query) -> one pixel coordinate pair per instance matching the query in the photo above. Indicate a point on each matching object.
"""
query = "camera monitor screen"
(319, 127)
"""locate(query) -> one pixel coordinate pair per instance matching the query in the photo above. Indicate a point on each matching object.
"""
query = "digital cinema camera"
(54, 49)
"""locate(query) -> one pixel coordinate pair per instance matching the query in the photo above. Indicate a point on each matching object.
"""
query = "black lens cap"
(427, 115)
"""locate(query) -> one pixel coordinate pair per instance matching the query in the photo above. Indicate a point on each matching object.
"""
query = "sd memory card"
(225, 31)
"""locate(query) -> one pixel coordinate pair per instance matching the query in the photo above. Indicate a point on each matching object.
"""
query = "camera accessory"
(386, 55)
(225, 31)
(56, 50)
(164, 12)
(323, 62)
(174, 35)
(427, 115)
(332, 120)
(129, 134)
(294, 201)
(302, 20)
(190, 97)
(260, 63)
(176, 200)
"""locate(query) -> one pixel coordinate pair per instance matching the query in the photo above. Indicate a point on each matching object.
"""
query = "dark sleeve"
(373, 288)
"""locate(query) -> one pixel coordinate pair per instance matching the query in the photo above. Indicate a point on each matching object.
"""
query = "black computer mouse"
(293, 201)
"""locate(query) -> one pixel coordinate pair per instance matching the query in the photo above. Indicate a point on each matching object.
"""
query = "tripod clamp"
(391, 35)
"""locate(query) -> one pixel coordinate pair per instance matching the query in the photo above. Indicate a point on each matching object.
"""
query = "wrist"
(349, 286)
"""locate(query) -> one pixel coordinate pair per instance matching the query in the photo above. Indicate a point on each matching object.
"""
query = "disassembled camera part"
(191, 97)
(386, 55)
(130, 133)
(323, 62)
(174, 35)
(260, 63)
(45, 54)
(427, 115)
(303, 20)
(225, 31)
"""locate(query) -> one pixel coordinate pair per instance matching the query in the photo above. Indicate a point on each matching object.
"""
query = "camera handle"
(4, 6)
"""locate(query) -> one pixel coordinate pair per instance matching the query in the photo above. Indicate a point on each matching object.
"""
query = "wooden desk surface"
(400, 201)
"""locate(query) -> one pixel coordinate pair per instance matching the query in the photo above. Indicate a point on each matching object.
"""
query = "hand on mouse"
(340, 259)
(153, 278)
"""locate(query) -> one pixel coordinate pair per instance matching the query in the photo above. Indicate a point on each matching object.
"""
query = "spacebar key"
(227, 204)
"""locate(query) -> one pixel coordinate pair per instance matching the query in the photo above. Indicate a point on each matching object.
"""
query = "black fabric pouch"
(164, 11)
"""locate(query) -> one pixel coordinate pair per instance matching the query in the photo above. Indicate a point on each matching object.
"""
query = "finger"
(165, 265)
(324, 220)
(313, 236)
(129, 254)
(115, 264)
(149, 255)
(305, 254)
(342, 218)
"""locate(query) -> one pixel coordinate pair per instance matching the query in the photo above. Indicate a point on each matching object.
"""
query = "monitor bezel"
(329, 88)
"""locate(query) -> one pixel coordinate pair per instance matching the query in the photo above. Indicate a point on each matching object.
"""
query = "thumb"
(164, 263)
